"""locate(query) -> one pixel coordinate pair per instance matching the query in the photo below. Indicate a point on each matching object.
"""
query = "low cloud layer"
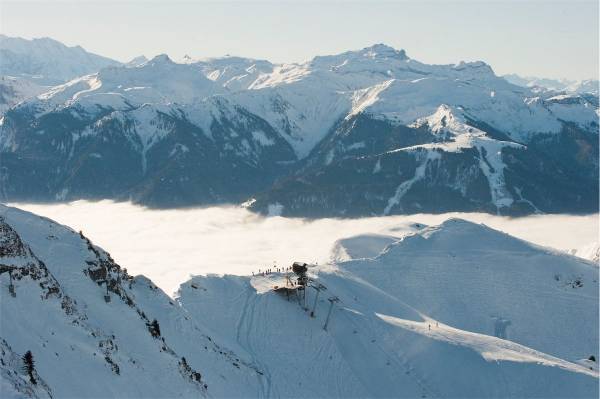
(169, 246)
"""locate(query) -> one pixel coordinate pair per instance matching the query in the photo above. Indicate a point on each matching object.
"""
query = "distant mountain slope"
(457, 310)
(363, 132)
(572, 86)
(47, 61)
(13, 90)
(137, 342)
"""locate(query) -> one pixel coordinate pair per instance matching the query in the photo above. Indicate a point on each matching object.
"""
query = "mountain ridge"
(229, 129)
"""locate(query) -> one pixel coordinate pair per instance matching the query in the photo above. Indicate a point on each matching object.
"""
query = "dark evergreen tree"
(154, 328)
(29, 366)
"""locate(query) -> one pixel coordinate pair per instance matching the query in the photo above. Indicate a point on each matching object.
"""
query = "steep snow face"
(80, 314)
(303, 115)
(47, 61)
(13, 90)
(457, 310)
(157, 81)
(235, 73)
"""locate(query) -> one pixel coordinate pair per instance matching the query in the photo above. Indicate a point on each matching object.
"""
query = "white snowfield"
(456, 310)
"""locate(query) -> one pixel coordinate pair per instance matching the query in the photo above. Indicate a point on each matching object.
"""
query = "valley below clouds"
(170, 246)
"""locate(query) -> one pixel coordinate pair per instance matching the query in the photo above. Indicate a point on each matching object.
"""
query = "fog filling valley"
(169, 246)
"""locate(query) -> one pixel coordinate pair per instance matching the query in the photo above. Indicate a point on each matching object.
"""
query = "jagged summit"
(384, 51)
(161, 58)
(139, 60)
(376, 53)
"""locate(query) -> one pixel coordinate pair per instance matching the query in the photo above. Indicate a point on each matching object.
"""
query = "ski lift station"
(293, 283)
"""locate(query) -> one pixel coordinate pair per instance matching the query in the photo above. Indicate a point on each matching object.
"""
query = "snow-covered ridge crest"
(77, 312)
(496, 311)
(157, 81)
(304, 100)
(46, 61)
(443, 120)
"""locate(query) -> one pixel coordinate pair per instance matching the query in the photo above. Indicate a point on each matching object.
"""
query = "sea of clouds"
(169, 246)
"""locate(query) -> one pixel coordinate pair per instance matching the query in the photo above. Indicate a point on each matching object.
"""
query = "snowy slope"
(83, 346)
(457, 310)
(590, 252)
(13, 90)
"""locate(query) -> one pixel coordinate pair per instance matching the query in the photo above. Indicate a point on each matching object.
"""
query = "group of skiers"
(273, 270)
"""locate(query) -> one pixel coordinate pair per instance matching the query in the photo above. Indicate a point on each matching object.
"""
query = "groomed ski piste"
(455, 310)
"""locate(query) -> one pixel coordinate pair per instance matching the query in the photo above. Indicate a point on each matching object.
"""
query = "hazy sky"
(550, 38)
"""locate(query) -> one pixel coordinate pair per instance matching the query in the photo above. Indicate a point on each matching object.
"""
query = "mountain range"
(455, 310)
(573, 86)
(366, 132)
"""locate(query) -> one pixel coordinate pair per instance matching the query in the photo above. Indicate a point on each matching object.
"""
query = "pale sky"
(551, 38)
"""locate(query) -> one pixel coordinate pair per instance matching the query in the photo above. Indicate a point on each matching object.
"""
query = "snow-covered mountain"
(47, 61)
(359, 133)
(95, 331)
(456, 310)
(572, 86)
(31, 67)
(439, 313)
(139, 60)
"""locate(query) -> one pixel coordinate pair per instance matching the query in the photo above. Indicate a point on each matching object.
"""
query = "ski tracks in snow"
(244, 336)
